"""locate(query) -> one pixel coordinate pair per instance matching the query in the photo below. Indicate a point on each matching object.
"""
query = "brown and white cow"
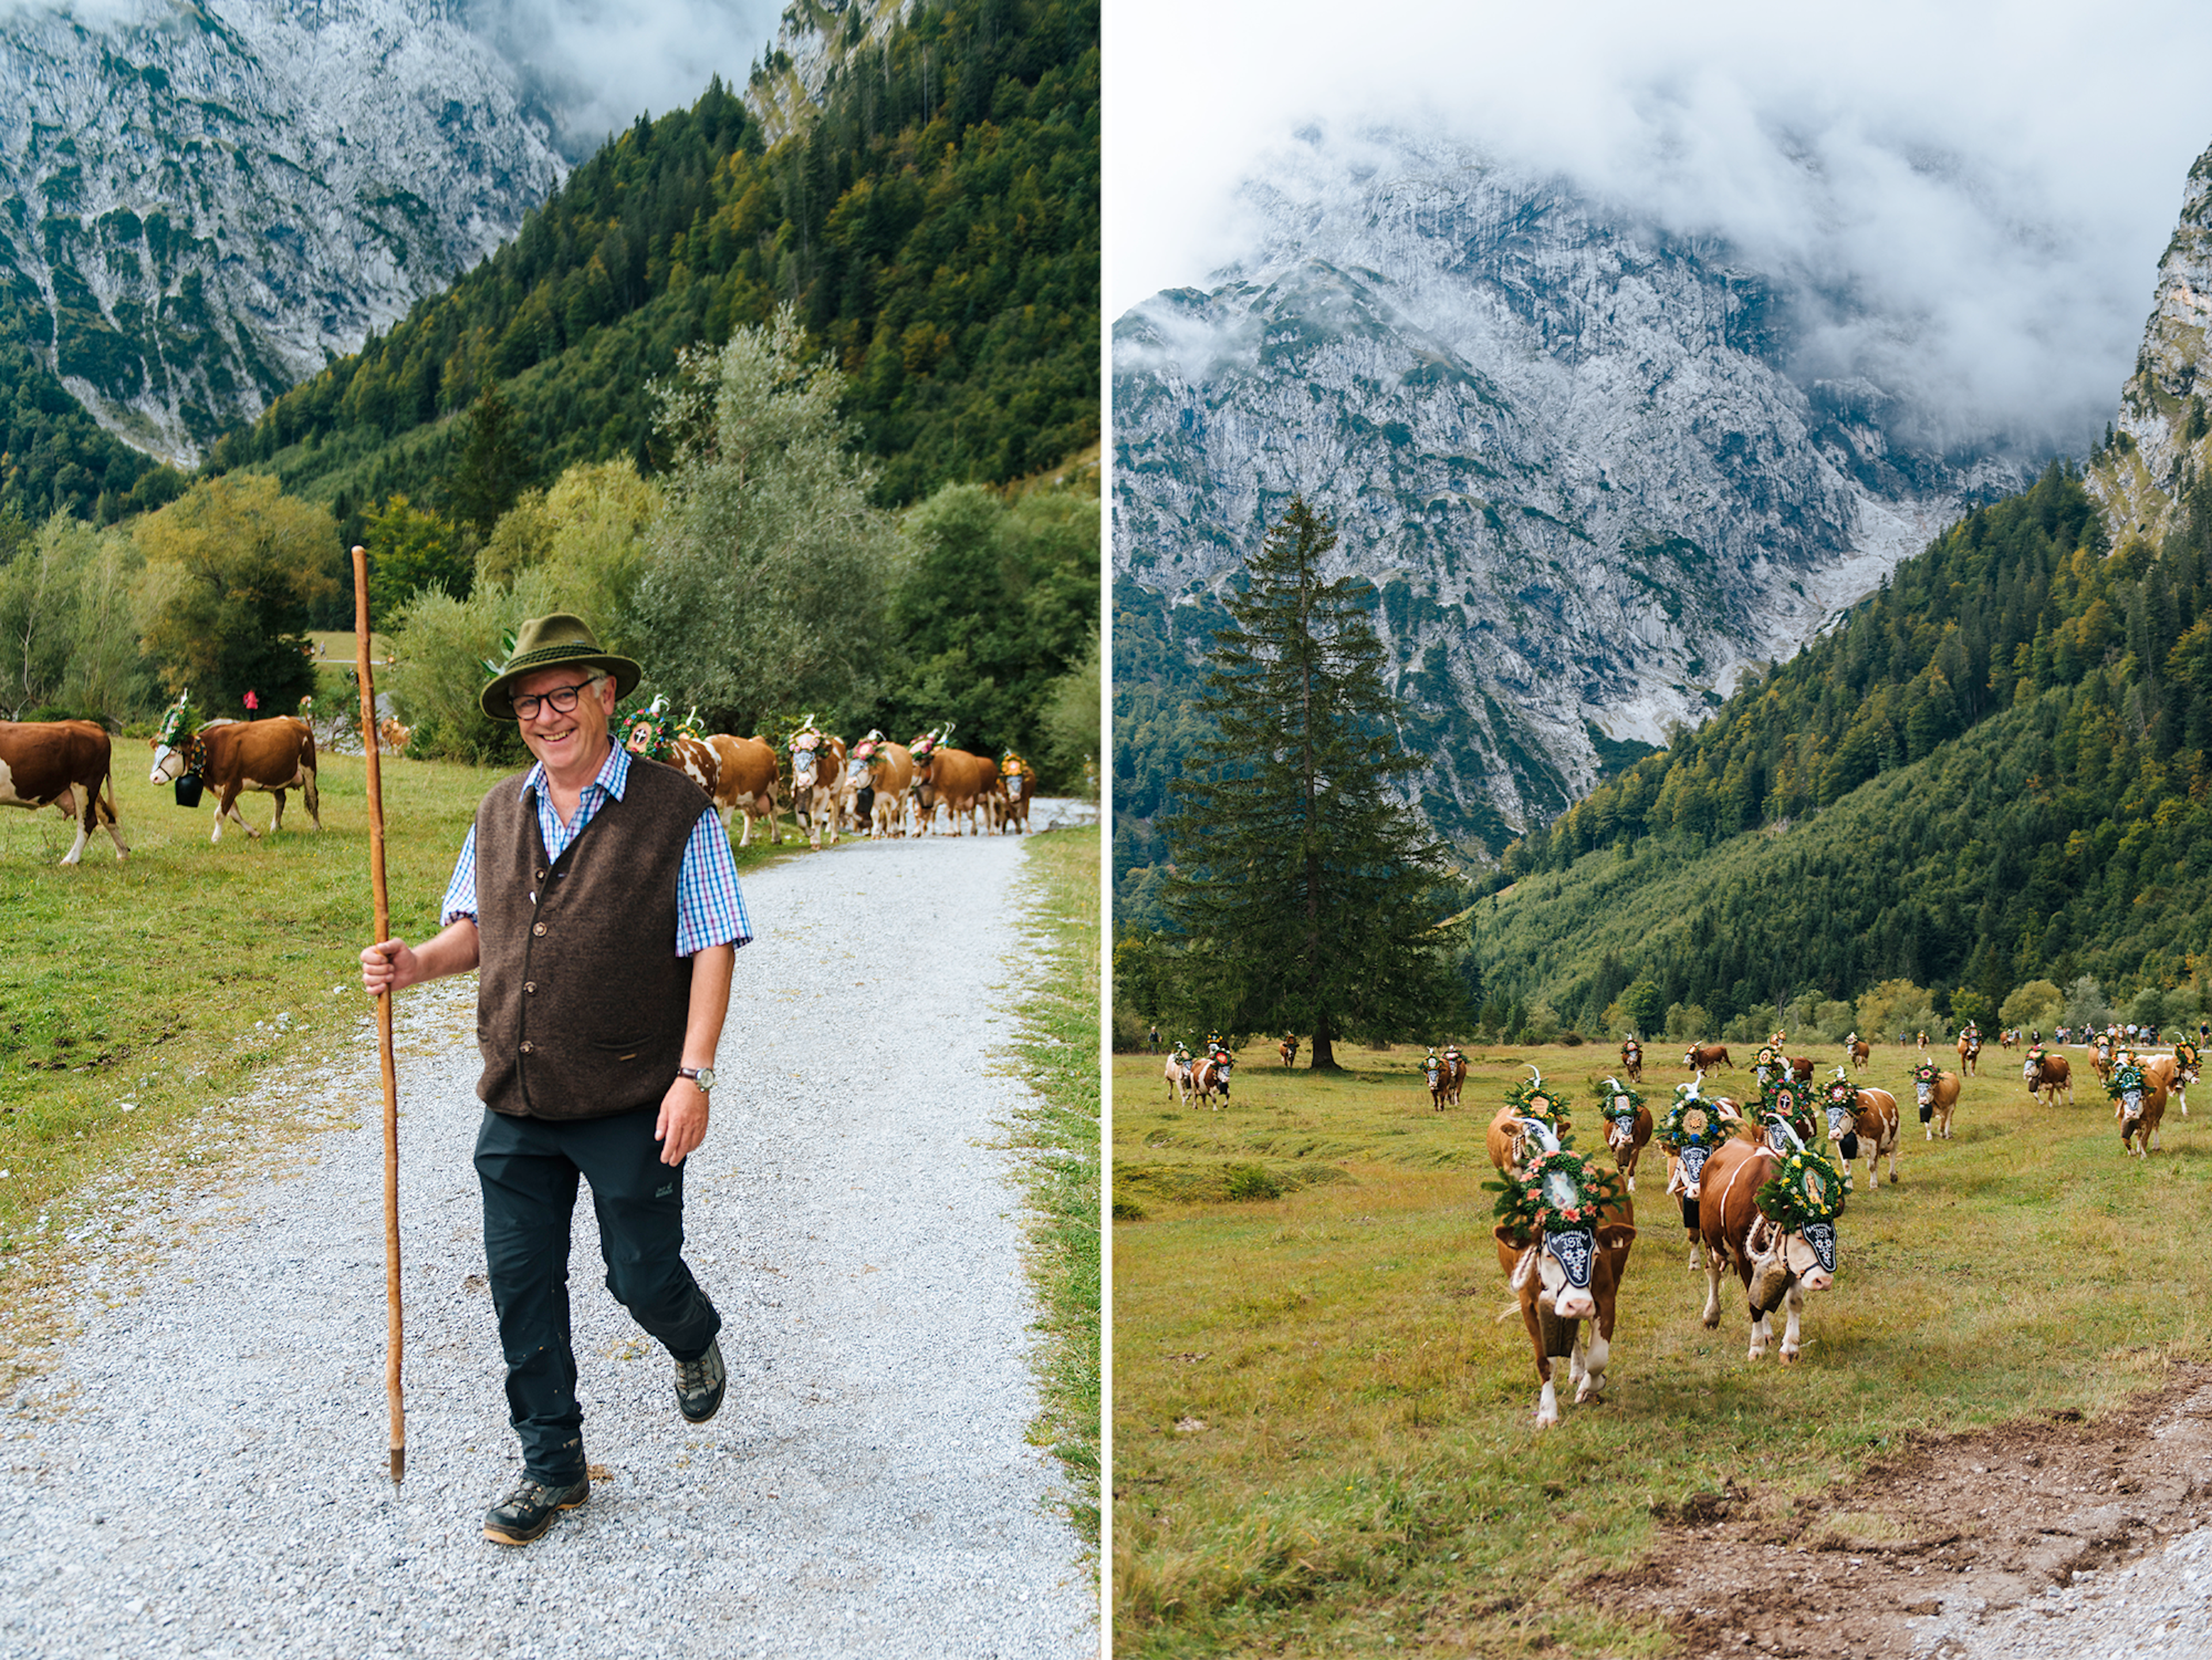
(887, 769)
(1626, 1132)
(1288, 1048)
(2138, 1113)
(1454, 1074)
(1631, 1060)
(1437, 1079)
(2101, 1057)
(2176, 1074)
(47, 764)
(963, 783)
(1017, 783)
(1862, 1119)
(1181, 1081)
(231, 757)
(1685, 1173)
(1969, 1053)
(1210, 1077)
(1859, 1051)
(1777, 1268)
(819, 789)
(2048, 1076)
(746, 781)
(1703, 1057)
(1938, 1098)
(1561, 1282)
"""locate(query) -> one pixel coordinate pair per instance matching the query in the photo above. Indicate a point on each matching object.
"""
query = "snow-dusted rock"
(201, 198)
(1565, 447)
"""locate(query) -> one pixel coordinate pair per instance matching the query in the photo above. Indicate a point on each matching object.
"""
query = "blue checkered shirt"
(709, 909)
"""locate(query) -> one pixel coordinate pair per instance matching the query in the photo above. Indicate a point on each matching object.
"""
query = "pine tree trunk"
(1324, 1054)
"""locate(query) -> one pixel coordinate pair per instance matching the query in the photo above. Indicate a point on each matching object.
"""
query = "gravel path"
(204, 1473)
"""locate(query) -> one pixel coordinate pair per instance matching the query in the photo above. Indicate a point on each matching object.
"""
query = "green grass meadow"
(1059, 1049)
(1324, 1436)
(173, 981)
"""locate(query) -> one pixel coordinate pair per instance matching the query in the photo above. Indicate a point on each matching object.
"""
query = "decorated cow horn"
(1547, 1137)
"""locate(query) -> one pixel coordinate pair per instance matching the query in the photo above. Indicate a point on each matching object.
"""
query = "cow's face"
(1811, 1255)
(2027, 1070)
(1692, 1162)
(1561, 1260)
(168, 765)
(1841, 1119)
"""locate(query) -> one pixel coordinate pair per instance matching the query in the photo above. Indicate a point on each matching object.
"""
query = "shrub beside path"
(203, 1472)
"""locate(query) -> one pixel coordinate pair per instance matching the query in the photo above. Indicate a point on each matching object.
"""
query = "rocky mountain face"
(201, 198)
(2160, 439)
(1567, 448)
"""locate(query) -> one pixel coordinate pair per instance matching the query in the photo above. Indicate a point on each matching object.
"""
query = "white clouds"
(598, 64)
(1979, 194)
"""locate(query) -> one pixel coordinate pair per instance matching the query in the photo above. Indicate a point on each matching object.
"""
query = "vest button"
(526, 1046)
(530, 985)
(541, 876)
(538, 928)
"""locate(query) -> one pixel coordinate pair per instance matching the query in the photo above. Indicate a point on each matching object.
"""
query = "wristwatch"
(703, 1076)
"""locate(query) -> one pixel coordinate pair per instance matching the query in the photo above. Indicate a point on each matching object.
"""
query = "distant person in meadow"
(598, 897)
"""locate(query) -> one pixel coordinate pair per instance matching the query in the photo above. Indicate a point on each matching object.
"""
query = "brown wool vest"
(581, 999)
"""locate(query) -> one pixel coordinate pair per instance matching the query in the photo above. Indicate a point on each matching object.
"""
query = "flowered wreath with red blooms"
(1783, 1098)
(1531, 1098)
(1926, 1073)
(652, 732)
(1550, 1192)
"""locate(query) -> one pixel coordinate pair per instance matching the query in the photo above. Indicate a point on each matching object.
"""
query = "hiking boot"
(529, 1510)
(699, 1384)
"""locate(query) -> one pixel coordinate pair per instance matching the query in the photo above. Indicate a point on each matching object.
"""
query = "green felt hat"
(551, 642)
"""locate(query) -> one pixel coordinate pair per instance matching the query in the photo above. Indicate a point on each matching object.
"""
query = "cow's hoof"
(1712, 1322)
(1789, 1357)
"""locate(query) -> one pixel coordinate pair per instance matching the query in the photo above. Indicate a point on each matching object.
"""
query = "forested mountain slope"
(1993, 771)
(936, 223)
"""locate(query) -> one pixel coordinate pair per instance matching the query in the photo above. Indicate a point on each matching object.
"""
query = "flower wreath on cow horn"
(2035, 1057)
(1783, 1097)
(180, 731)
(1619, 1103)
(2184, 1055)
(1532, 1098)
(1693, 1121)
(653, 731)
(1805, 1189)
(2128, 1075)
(1553, 1192)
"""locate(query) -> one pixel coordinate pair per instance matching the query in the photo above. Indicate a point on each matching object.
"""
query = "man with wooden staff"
(596, 894)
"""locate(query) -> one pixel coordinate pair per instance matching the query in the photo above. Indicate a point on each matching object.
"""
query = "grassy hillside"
(1995, 771)
(936, 223)
(1323, 1433)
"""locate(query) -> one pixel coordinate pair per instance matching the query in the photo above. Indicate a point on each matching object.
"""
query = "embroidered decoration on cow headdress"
(180, 731)
(1806, 1190)
(653, 731)
(1552, 1191)
(1692, 1122)
(1781, 1097)
(2185, 1056)
(1616, 1100)
(2127, 1077)
(1533, 1099)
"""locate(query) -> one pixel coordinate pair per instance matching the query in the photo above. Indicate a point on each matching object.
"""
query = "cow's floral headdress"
(1534, 1098)
(1806, 1188)
(1925, 1073)
(1553, 1191)
(2128, 1075)
(1615, 1099)
(1693, 1121)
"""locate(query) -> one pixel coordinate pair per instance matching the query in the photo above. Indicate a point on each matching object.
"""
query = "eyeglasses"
(562, 700)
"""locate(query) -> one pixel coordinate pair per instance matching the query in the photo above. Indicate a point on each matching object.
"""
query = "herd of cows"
(876, 787)
(1757, 1192)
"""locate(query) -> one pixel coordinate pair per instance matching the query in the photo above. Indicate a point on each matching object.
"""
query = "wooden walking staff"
(395, 1330)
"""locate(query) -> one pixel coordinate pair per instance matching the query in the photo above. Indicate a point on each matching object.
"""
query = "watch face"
(706, 1077)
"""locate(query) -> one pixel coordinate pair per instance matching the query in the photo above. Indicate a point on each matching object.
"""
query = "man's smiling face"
(567, 742)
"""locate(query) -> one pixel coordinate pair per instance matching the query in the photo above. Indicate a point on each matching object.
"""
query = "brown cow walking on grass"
(1554, 1311)
(1775, 1267)
(45, 764)
(274, 756)
(2048, 1076)
(746, 781)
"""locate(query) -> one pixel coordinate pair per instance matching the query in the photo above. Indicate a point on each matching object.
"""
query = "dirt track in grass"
(1986, 1544)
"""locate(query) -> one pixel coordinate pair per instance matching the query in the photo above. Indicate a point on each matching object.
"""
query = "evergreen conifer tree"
(1301, 887)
